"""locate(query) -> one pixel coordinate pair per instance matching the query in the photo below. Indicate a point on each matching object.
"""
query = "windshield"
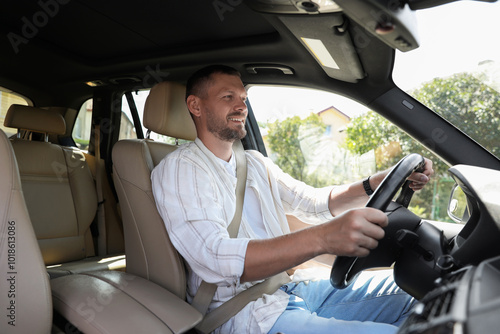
(456, 69)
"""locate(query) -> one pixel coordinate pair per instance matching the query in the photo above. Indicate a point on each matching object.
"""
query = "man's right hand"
(354, 232)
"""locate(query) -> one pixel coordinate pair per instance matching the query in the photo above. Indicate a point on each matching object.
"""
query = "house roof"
(332, 108)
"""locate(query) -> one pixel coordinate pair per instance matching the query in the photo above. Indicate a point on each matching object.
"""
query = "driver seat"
(149, 252)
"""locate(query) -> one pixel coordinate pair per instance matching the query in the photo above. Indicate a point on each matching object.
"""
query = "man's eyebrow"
(228, 90)
(225, 90)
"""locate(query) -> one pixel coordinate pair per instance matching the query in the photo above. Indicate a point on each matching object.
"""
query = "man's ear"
(193, 104)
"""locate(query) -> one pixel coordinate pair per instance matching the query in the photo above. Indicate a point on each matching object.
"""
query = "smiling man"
(194, 188)
(219, 110)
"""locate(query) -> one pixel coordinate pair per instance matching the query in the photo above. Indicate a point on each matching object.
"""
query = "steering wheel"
(345, 269)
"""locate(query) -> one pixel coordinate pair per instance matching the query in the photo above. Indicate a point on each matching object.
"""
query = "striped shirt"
(195, 195)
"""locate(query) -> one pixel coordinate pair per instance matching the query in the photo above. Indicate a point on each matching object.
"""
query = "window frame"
(4, 90)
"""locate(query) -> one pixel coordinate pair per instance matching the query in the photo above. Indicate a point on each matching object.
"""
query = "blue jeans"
(372, 304)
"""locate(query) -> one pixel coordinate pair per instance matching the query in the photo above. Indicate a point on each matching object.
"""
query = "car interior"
(83, 248)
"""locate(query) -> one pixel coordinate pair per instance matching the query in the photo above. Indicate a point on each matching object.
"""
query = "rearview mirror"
(457, 206)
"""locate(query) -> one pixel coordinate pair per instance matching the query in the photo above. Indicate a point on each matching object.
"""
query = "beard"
(220, 129)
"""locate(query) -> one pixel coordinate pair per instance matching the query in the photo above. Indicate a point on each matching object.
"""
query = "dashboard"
(465, 301)
(467, 298)
(479, 239)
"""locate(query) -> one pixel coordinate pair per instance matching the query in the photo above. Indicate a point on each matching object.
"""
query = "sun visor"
(329, 42)
(392, 23)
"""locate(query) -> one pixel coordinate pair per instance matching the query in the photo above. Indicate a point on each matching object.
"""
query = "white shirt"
(195, 195)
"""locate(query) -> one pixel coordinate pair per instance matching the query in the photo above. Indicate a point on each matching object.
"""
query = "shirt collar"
(231, 165)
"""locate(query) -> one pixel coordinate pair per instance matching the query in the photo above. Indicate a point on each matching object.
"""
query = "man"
(194, 190)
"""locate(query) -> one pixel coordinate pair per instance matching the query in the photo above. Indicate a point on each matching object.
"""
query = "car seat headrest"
(35, 119)
(166, 112)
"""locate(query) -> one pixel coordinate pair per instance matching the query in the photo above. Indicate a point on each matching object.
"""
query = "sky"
(453, 38)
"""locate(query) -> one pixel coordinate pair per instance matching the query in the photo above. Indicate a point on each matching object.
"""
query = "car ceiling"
(50, 48)
(127, 45)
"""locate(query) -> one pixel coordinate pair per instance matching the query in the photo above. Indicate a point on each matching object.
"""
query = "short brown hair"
(198, 82)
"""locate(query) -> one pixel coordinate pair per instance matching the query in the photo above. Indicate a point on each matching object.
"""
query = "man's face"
(224, 107)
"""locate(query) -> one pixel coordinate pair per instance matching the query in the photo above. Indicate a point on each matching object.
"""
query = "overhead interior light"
(318, 49)
(95, 83)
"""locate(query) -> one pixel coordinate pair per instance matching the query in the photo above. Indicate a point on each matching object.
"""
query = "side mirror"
(457, 206)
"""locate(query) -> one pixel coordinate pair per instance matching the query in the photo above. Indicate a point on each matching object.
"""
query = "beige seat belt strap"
(204, 296)
(226, 311)
(241, 175)
(206, 291)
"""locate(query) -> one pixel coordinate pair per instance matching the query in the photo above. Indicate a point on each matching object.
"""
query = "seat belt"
(241, 183)
(227, 310)
(206, 291)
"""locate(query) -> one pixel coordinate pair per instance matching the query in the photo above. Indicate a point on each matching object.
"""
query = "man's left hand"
(420, 179)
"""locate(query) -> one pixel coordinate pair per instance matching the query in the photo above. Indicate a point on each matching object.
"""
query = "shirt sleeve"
(191, 206)
(299, 199)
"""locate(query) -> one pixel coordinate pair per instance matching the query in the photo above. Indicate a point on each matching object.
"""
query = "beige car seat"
(148, 249)
(24, 287)
(59, 191)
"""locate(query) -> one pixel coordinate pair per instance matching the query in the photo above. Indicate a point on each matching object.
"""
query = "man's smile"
(237, 119)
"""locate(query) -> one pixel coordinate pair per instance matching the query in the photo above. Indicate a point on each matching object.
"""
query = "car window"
(8, 98)
(456, 73)
(83, 126)
(324, 139)
(127, 128)
(456, 69)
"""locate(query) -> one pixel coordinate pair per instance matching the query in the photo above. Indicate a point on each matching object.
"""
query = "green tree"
(461, 99)
(468, 103)
(284, 138)
(370, 131)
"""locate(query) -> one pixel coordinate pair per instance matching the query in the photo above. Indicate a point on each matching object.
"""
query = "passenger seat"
(24, 284)
(59, 191)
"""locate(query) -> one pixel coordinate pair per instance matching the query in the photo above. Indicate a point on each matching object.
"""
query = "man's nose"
(242, 106)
